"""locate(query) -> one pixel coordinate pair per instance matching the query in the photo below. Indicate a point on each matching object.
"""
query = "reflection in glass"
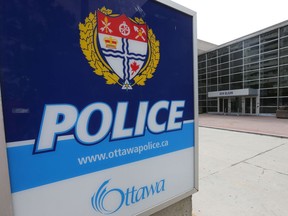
(269, 83)
(283, 81)
(251, 41)
(268, 36)
(268, 102)
(269, 72)
(269, 46)
(251, 75)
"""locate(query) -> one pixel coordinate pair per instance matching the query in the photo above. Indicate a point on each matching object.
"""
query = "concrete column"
(181, 208)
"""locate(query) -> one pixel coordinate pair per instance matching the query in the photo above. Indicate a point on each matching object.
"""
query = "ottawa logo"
(109, 200)
(122, 50)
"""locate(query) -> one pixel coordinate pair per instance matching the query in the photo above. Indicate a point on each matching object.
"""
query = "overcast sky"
(220, 21)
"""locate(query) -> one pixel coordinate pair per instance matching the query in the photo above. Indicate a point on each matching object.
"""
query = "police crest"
(122, 50)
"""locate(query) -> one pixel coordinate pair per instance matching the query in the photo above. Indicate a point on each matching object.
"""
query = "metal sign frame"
(6, 202)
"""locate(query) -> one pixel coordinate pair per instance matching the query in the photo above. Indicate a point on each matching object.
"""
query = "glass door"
(221, 110)
(250, 105)
(225, 105)
(253, 105)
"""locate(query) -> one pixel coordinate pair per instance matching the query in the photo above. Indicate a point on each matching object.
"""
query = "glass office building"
(246, 76)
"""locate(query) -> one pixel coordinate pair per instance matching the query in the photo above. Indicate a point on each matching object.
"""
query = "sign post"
(100, 106)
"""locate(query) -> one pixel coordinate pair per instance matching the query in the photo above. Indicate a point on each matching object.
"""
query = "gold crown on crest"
(110, 42)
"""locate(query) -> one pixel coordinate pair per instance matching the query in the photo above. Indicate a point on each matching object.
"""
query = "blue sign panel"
(98, 105)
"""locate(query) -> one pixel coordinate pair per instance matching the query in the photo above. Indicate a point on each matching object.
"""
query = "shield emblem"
(123, 44)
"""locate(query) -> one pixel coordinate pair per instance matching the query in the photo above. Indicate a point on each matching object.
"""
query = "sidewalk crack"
(261, 153)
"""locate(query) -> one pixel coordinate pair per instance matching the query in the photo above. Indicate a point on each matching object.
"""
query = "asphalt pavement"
(242, 173)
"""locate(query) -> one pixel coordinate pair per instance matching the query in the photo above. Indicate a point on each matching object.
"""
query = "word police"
(60, 119)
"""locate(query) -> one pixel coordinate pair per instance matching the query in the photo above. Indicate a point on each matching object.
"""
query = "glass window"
(213, 74)
(269, 72)
(202, 90)
(212, 109)
(212, 88)
(211, 54)
(283, 81)
(251, 66)
(202, 97)
(268, 36)
(202, 103)
(211, 62)
(283, 101)
(223, 79)
(236, 46)
(223, 87)
(212, 102)
(236, 69)
(269, 46)
(223, 72)
(251, 59)
(269, 83)
(284, 60)
(238, 85)
(251, 51)
(223, 51)
(268, 109)
(283, 70)
(201, 65)
(284, 31)
(236, 55)
(284, 42)
(251, 75)
(223, 66)
(212, 81)
(202, 71)
(202, 83)
(236, 63)
(269, 55)
(283, 92)
(251, 41)
(283, 51)
(223, 59)
(268, 93)
(202, 76)
(269, 63)
(268, 102)
(237, 77)
(213, 68)
(202, 57)
(252, 84)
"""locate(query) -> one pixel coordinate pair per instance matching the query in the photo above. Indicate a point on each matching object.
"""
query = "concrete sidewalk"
(241, 174)
(265, 125)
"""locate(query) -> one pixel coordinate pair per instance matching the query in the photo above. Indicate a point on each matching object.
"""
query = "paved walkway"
(250, 124)
(242, 174)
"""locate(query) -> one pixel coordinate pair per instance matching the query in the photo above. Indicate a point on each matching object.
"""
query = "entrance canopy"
(233, 93)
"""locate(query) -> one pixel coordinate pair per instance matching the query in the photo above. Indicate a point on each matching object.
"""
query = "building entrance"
(223, 105)
(250, 105)
(237, 105)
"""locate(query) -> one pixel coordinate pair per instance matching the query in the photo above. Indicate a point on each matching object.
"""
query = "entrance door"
(223, 105)
(250, 105)
(253, 105)
(236, 105)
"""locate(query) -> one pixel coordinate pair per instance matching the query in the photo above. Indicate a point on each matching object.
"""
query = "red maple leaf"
(134, 66)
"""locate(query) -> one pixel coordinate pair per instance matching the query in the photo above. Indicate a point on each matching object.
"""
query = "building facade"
(246, 76)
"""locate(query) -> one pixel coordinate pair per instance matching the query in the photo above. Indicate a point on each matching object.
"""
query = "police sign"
(99, 105)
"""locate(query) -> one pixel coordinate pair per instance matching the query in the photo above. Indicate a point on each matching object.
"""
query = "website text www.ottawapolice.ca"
(122, 152)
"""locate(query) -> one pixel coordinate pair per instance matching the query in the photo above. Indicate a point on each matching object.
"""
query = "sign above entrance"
(233, 93)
